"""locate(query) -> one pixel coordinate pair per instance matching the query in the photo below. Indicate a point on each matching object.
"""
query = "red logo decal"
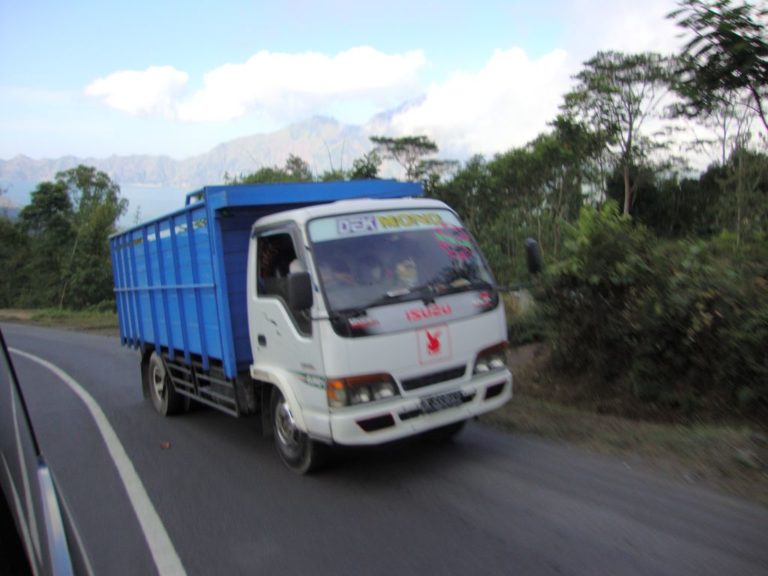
(432, 311)
(433, 343)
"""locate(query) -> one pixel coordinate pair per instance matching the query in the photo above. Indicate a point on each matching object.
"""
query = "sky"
(166, 77)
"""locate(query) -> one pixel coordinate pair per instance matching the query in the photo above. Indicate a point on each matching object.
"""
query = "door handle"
(262, 340)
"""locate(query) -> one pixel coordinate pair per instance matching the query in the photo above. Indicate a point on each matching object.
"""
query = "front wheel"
(165, 399)
(297, 450)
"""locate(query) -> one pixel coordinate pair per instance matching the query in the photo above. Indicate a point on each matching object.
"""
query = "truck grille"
(434, 378)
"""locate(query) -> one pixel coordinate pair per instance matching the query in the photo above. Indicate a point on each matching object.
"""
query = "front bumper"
(409, 415)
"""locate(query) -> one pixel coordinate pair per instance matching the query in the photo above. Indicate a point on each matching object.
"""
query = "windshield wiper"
(396, 295)
(438, 288)
(425, 292)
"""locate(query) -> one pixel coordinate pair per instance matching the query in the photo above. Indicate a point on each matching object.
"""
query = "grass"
(85, 320)
(728, 456)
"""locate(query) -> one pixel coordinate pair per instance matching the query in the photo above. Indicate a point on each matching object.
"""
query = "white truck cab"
(374, 320)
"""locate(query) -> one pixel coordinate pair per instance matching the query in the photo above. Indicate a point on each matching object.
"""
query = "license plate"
(441, 402)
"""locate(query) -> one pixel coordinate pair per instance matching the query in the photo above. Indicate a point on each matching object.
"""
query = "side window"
(276, 252)
(277, 257)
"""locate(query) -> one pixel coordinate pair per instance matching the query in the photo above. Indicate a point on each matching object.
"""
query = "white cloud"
(150, 91)
(507, 103)
(289, 86)
(622, 25)
(282, 86)
(510, 100)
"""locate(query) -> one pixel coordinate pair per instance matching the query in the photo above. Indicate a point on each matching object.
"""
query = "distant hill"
(322, 142)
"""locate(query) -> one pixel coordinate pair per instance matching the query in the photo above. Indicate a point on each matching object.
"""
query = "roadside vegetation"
(88, 320)
(650, 321)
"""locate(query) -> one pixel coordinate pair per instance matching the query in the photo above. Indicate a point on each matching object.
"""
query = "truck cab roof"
(302, 215)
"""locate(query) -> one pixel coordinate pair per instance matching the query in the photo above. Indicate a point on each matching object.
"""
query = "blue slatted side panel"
(165, 288)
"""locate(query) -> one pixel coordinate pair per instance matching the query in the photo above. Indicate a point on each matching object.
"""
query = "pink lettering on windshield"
(454, 241)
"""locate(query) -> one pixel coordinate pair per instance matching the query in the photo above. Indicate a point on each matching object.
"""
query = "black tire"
(165, 399)
(297, 450)
(446, 433)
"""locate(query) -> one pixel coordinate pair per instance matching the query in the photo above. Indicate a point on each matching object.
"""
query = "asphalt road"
(488, 503)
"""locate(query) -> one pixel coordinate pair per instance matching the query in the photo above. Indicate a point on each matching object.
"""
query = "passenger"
(407, 273)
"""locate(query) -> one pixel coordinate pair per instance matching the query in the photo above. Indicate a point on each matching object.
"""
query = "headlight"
(491, 359)
(356, 390)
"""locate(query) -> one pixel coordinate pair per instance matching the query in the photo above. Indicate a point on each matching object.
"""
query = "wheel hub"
(158, 381)
(285, 426)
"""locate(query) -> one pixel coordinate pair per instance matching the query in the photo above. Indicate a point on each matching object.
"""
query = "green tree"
(727, 54)
(562, 160)
(89, 189)
(469, 192)
(294, 170)
(332, 175)
(97, 206)
(366, 167)
(407, 151)
(265, 175)
(614, 96)
(14, 256)
(48, 224)
(67, 225)
(432, 171)
(746, 206)
(297, 169)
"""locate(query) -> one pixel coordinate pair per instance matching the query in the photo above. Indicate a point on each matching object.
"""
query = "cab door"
(285, 343)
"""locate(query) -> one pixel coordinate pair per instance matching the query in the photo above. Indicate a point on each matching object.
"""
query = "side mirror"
(533, 256)
(299, 291)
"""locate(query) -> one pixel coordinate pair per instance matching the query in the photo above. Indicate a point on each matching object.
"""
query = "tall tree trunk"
(759, 106)
(627, 191)
(739, 192)
(68, 272)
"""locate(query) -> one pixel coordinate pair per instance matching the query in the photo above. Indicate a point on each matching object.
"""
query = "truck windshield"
(376, 258)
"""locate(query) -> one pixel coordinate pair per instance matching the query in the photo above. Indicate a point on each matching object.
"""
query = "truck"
(344, 313)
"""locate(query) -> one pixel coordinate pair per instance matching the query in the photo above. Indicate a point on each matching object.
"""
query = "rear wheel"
(297, 450)
(165, 399)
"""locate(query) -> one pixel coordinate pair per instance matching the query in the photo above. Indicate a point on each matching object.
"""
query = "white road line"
(160, 545)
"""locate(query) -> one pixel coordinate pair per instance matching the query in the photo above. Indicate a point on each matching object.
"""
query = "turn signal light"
(491, 359)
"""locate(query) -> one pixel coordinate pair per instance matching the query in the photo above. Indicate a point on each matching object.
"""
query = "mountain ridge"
(323, 142)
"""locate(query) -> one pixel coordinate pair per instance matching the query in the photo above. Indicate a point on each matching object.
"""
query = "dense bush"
(587, 293)
(682, 324)
(525, 322)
